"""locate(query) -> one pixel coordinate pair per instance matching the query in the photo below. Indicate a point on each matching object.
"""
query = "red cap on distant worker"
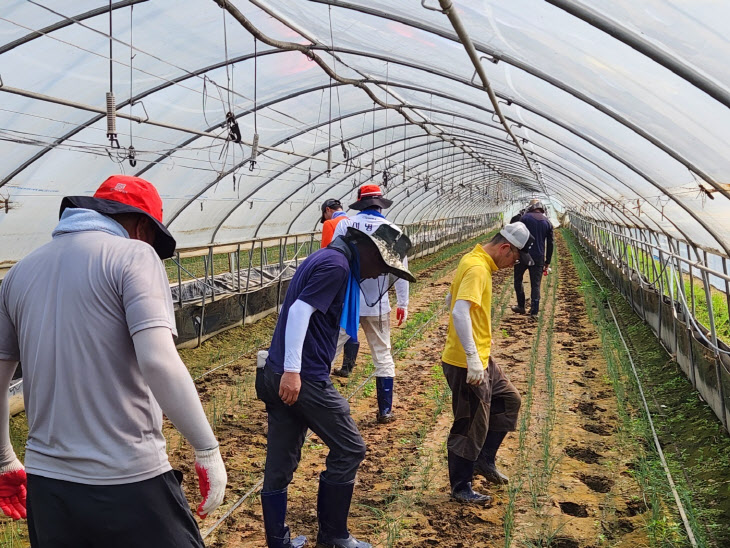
(370, 196)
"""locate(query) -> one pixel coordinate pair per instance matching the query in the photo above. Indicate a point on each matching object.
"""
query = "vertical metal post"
(691, 282)
(238, 268)
(248, 280)
(282, 252)
(179, 280)
(212, 274)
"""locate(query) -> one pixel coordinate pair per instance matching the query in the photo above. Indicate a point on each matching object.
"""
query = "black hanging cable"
(111, 104)
(255, 144)
(334, 68)
(131, 152)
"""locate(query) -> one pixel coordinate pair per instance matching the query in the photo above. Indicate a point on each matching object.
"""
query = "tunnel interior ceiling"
(626, 120)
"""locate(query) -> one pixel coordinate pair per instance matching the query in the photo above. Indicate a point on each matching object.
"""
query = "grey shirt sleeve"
(9, 349)
(146, 293)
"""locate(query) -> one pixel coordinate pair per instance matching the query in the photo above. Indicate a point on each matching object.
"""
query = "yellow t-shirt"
(473, 283)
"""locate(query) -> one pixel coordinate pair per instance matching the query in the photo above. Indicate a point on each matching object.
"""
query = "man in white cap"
(485, 403)
(374, 304)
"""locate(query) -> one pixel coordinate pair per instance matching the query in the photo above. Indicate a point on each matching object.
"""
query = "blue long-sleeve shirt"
(542, 230)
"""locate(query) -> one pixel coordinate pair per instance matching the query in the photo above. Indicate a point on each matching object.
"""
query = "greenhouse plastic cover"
(621, 108)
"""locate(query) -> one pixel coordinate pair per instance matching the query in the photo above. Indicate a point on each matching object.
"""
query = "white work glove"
(212, 479)
(13, 490)
(474, 369)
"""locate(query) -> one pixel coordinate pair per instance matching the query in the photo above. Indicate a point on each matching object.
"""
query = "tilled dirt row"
(571, 474)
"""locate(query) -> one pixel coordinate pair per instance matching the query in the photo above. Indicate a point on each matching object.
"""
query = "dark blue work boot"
(534, 307)
(485, 465)
(333, 507)
(384, 388)
(349, 353)
(461, 472)
(277, 532)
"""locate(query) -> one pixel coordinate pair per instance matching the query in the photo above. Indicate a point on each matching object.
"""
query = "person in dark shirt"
(541, 229)
(295, 381)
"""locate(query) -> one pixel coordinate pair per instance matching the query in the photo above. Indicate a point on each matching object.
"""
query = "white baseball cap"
(518, 235)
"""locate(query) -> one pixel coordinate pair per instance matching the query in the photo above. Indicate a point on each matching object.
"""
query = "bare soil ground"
(571, 482)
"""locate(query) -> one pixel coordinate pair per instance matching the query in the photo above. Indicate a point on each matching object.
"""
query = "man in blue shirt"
(295, 382)
(541, 229)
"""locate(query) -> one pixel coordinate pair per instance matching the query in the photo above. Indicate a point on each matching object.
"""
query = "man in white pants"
(374, 304)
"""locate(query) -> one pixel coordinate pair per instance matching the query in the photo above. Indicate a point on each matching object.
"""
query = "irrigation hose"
(680, 506)
(260, 482)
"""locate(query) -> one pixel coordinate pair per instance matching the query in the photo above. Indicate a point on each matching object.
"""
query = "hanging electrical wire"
(131, 152)
(111, 103)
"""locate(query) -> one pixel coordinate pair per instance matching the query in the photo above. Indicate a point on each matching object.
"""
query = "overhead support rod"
(142, 120)
(448, 8)
(636, 41)
(361, 84)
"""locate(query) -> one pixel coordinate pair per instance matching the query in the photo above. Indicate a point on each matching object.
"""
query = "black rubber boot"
(485, 465)
(349, 353)
(461, 472)
(534, 307)
(384, 388)
(333, 507)
(518, 309)
(277, 532)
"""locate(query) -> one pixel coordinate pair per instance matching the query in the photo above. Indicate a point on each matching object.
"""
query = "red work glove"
(545, 270)
(212, 479)
(12, 490)
(401, 314)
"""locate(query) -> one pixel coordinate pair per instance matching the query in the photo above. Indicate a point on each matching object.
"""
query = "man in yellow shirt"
(484, 401)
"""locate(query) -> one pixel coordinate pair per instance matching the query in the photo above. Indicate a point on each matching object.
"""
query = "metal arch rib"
(273, 178)
(600, 147)
(343, 196)
(427, 143)
(529, 69)
(283, 170)
(67, 22)
(135, 99)
(643, 46)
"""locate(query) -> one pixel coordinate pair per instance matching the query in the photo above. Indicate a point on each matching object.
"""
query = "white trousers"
(377, 333)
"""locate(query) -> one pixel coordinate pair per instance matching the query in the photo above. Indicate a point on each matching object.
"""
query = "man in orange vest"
(332, 214)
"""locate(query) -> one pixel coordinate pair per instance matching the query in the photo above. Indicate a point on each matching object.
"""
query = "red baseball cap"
(128, 194)
(370, 196)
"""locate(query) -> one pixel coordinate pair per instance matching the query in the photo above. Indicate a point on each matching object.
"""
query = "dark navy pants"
(535, 281)
(145, 514)
(320, 408)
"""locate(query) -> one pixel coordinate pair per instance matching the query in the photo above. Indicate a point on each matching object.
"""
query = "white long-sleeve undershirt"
(462, 325)
(172, 386)
(297, 323)
(7, 455)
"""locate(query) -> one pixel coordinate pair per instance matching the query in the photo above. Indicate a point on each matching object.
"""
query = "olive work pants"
(492, 405)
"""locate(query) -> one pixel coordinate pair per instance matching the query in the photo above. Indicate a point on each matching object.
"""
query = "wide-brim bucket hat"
(370, 196)
(392, 245)
(128, 194)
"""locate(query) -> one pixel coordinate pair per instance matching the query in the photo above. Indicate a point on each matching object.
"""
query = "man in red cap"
(90, 316)
(374, 309)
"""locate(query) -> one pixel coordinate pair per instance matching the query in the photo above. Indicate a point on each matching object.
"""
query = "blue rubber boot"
(333, 507)
(384, 388)
(277, 532)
